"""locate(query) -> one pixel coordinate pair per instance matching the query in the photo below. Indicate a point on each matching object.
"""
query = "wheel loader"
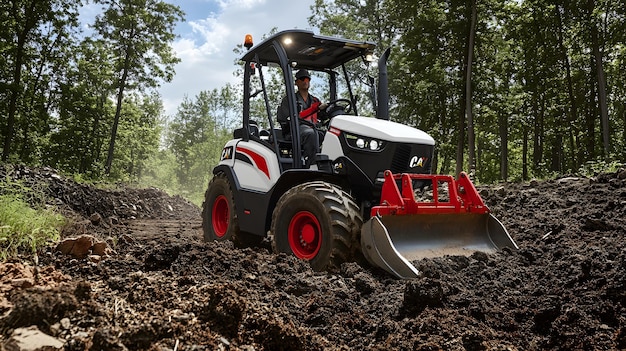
(368, 193)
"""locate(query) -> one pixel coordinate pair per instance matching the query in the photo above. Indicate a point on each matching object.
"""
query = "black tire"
(317, 222)
(219, 215)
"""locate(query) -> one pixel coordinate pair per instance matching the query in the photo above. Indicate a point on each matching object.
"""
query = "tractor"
(369, 192)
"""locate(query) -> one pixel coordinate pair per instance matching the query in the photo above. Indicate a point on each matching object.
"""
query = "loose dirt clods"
(165, 289)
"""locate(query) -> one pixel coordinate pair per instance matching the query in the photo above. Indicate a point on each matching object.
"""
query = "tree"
(195, 137)
(139, 135)
(598, 56)
(37, 39)
(431, 73)
(542, 93)
(84, 112)
(359, 20)
(614, 20)
(139, 33)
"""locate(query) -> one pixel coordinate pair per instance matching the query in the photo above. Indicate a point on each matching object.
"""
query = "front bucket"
(393, 242)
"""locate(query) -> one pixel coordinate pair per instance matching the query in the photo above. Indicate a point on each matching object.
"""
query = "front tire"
(219, 215)
(317, 222)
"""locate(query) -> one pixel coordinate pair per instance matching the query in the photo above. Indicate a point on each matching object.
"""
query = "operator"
(308, 107)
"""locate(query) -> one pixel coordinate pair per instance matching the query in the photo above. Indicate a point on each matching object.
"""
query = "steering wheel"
(338, 106)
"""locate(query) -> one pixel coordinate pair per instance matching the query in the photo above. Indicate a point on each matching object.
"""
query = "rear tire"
(317, 222)
(219, 215)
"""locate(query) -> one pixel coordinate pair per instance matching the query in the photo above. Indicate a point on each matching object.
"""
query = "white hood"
(381, 129)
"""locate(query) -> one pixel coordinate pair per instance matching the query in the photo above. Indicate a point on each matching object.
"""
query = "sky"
(210, 32)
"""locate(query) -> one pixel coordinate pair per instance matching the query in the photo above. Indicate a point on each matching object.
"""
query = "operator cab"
(272, 63)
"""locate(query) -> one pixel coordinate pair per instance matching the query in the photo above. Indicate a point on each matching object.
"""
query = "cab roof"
(309, 50)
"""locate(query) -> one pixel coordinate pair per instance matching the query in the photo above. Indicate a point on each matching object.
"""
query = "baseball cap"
(303, 73)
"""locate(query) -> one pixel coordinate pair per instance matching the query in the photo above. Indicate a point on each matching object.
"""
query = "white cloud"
(246, 4)
(212, 32)
(206, 45)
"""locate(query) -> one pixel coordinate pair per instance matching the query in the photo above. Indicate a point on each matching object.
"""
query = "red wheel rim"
(305, 235)
(220, 216)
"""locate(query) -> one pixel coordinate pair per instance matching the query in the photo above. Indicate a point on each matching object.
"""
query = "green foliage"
(85, 113)
(161, 172)
(593, 168)
(138, 33)
(537, 77)
(36, 45)
(138, 136)
(24, 229)
(195, 138)
(359, 20)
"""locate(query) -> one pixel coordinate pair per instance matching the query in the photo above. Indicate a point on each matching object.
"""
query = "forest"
(510, 89)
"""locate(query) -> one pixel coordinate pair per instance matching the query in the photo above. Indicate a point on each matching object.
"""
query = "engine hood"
(381, 129)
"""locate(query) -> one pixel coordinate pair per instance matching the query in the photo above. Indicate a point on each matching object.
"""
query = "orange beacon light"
(248, 41)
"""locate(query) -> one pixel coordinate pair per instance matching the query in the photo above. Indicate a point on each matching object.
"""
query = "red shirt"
(310, 114)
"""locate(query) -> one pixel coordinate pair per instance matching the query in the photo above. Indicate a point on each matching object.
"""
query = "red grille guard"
(402, 229)
(463, 196)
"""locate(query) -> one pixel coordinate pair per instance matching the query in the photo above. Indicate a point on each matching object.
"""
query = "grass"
(594, 168)
(23, 230)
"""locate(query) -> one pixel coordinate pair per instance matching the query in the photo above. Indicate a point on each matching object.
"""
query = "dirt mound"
(87, 200)
(164, 289)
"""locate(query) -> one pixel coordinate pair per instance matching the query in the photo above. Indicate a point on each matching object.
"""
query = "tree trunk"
(557, 152)
(598, 55)
(525, 153)
(536, 128)
(503, 130)
(573, 113)
(30, 22)
(468, 92)
(443, 166)
(503, 126)
(623, 156)
(116, 120)
(590, 120)
(461, 140)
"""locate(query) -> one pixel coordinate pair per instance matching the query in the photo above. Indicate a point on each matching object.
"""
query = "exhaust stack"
(382, 112)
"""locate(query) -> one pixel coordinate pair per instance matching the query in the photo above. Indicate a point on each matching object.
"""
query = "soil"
(163, 288)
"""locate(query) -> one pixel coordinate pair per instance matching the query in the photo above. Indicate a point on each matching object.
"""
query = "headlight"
(373, 145)
(363, 143)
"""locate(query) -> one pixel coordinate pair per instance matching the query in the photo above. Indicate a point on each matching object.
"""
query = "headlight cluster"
(364, 143)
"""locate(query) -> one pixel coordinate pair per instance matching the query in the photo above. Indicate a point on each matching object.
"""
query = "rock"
(107, 339)
(82, 246)
(94, 258)
(65, 323)
(55, 329)
(568, 180)
(23, 283)
(27, 339)
(100, 248)
(95, 218)
(78, 247)
(501, 191)
(66, 245)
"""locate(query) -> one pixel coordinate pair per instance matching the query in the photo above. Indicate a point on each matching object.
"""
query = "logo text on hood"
(417, 162)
